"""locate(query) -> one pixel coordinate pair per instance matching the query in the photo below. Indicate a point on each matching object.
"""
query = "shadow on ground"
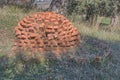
(108, 68)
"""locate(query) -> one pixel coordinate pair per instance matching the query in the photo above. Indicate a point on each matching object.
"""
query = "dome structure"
(46, 32)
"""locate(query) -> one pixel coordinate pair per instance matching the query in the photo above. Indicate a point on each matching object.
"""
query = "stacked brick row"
(46, 32)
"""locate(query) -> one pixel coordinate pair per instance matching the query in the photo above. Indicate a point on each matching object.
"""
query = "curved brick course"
(46, 31)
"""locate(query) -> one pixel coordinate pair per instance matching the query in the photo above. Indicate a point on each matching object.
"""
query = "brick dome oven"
(46, 32)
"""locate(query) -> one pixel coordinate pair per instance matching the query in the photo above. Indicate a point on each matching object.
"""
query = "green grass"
(10, 15)
(105, 21)
(1, 54)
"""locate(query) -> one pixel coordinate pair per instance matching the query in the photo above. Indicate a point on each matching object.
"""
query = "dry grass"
(98, 33)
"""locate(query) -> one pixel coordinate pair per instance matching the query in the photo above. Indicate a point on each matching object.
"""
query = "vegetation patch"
(105, 21)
